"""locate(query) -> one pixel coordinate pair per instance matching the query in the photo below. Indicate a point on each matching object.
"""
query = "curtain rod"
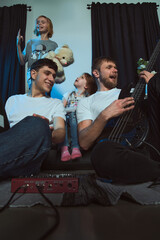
(29, 8)
(90, 5)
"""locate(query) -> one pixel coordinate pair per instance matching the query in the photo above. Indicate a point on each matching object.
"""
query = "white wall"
(72, 25)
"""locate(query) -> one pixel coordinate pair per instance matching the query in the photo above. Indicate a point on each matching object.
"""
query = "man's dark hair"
(98, 62)
(44, 62)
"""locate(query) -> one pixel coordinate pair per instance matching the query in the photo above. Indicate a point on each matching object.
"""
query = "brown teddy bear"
(63, 57)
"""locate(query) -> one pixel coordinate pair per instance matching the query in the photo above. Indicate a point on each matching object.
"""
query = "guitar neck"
(140, 86)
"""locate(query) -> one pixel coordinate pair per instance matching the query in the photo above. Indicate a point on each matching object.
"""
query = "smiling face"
(42, 81)
(42, 25)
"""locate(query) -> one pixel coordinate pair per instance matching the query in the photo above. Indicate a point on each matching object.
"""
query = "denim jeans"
(24, 147)
(71, 121)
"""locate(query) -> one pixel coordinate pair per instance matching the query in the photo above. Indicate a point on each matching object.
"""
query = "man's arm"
(58, 129)
(89, 131)
(58, 133)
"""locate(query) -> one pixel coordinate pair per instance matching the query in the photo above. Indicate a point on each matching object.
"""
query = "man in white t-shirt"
(112, 160)
(36, 120)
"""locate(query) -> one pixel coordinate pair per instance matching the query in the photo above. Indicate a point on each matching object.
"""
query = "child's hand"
(19, 37)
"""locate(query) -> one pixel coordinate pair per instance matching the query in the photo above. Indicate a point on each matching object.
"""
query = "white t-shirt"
(20, 106)
(90, 107)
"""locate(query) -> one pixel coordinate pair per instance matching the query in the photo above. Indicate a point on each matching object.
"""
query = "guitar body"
(137, 126)
(134, 133)
(136, 130)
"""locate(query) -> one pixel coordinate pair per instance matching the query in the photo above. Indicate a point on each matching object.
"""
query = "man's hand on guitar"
(146, 75)
(118, 107)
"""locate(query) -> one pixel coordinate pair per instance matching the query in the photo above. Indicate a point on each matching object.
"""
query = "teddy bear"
(63, 57)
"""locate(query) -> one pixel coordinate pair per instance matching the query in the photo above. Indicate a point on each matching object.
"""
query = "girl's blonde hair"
(50, 26)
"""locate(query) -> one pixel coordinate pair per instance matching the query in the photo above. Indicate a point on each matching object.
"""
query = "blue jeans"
(71, 121)
(24, 147)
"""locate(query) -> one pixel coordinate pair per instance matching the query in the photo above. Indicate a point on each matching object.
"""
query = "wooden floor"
(125, 221)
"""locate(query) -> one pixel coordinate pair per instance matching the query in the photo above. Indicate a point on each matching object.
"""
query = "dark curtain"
(125, 32)
(12, 75)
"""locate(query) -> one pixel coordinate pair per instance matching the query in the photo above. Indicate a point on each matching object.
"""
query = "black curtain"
(12, 75)
(125, 32)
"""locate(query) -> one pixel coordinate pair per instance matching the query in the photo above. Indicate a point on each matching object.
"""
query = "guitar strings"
(122, 121)
(119, 126)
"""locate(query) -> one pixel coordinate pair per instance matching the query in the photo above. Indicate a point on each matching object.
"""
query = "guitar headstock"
(141, 65)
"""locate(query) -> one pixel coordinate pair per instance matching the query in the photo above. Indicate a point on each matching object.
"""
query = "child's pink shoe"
(76, 153)
(65, 155)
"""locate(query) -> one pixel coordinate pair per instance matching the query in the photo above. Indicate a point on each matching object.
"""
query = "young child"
(36, 48)
(85, 85)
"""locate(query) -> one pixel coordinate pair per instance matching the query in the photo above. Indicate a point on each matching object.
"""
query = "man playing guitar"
(111, 159)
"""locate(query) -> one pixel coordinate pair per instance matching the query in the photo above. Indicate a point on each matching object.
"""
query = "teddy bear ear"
(65, 46)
